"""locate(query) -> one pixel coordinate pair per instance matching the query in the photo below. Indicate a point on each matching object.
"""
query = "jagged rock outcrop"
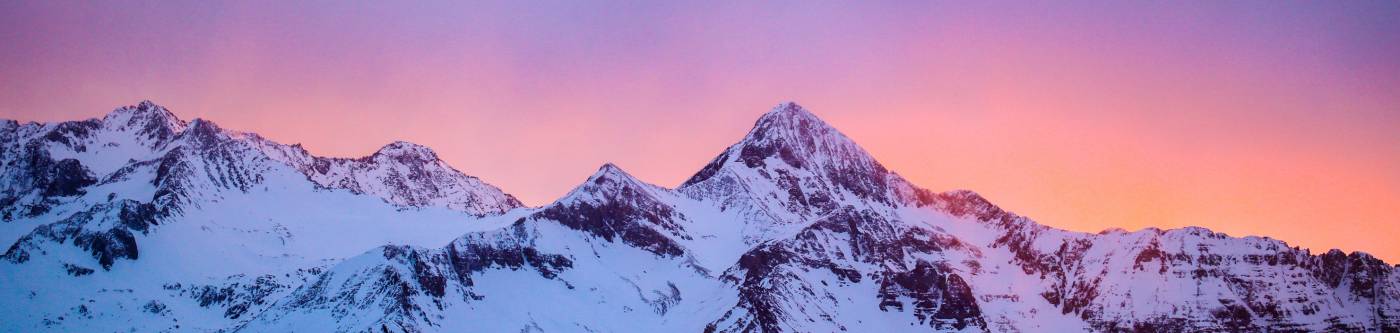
(106, 231)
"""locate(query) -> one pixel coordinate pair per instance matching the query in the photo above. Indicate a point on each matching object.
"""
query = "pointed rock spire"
(790, 135)
(797, 137)
(808, 166)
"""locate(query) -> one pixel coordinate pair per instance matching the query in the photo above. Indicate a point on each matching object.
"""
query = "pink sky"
(1270, 118)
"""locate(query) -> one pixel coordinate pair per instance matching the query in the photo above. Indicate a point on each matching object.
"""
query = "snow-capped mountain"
(606, 257)
(404, 174)
(141, 221)
(150, 205)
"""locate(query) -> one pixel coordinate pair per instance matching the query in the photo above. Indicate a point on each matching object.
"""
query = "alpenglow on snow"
(140, 221)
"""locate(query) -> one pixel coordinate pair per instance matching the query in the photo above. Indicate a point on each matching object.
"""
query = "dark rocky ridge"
(614, 206)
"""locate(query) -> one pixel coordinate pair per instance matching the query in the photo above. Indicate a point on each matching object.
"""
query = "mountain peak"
(143, 107)
(789, 117)
(791, 134)
(609, 167)
(608, 180)
(146, 115)
(795, 156)
(204, 125)
(203, 132)
(788, 109)
(798, 138)
(402, 149)
(610, 173)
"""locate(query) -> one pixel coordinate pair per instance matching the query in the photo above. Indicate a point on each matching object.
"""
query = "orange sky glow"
(1277, 119)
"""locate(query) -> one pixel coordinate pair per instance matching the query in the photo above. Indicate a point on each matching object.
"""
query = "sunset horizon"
(1217, 224)
(1028, 133)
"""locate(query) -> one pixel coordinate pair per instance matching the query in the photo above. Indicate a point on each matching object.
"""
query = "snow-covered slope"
(606, 257)
(149, 205)
(404, 174)
(790, 170)
(793, 228)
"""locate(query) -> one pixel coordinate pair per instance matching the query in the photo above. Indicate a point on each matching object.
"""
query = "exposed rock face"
(562, 246)
(793, 228)
(408, 174)
(413, 286)
(614, 206)
(108, 232)
(786, 285)
(1199, 280)
(791, 169)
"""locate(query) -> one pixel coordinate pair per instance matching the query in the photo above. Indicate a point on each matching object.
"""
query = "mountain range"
(143, 222)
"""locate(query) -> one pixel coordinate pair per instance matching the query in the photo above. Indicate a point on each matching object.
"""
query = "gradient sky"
(1273, 118)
